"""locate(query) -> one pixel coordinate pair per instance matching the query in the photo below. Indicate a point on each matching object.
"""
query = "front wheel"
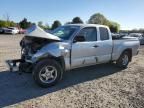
(47, 73)
(124, 60)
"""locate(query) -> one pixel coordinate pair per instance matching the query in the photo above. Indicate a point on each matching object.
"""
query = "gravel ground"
(101, 86)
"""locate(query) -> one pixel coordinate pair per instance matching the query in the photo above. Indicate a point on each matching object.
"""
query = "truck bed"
(120, 44)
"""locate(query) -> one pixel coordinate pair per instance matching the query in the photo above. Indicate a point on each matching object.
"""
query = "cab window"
(104, 35)
(90, 33)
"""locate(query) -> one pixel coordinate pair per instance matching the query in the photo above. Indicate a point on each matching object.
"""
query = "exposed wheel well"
(60, 60)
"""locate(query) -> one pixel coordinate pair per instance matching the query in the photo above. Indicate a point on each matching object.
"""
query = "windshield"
(65, 32)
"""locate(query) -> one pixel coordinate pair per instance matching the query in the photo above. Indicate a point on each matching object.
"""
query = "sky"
(128, 13)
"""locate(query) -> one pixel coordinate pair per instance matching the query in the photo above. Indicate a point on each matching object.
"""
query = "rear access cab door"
(105, 44)
(96, 48)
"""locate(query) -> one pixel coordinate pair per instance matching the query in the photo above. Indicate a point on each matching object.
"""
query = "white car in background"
(139, 36)
(11, 30)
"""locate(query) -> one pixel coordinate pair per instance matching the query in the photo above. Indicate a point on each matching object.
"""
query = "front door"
(84, 53)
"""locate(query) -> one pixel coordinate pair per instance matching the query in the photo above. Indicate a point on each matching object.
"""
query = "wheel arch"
(129, 50)
(59, 59)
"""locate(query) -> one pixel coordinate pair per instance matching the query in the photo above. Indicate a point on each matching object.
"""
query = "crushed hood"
(36, 31)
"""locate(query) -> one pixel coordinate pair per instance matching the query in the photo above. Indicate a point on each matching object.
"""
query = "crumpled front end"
(32, 48)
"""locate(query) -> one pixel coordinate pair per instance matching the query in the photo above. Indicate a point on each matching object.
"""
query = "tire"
(123, 60)
(2, 32)
(46, 70)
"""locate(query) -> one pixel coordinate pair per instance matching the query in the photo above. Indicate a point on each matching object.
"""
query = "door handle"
(95, 46)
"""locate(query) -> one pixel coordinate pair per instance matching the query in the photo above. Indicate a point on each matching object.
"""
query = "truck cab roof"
(86, 25)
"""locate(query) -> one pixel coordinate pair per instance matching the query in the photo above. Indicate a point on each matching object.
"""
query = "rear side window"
(104, 35)
(90, 33)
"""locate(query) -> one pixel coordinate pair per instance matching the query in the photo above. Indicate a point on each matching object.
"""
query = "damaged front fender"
(51, 50)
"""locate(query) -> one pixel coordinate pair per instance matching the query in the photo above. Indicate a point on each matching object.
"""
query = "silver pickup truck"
(47, 55)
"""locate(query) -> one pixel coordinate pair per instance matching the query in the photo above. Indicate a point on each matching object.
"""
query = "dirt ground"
(100, 86)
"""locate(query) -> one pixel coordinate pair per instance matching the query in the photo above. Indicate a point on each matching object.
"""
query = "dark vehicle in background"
(139, 36)
(2, 29)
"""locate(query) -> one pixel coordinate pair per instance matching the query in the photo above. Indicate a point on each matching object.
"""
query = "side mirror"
(79, 39)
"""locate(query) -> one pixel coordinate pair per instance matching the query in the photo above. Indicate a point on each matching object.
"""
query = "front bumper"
(13, 65)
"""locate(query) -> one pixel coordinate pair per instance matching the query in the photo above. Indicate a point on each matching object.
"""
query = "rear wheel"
(47, 73)
(124, 60)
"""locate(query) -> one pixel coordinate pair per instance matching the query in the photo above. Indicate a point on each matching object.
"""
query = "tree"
(45, 27)
(7, 23)
(3, 23)
(55, 24)
(77, 20)
(98, 18)
(68, 22)
(141, 30)
(25, 24)
(12, 24)
(114, 27)
(40, 24)
(6, 17)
